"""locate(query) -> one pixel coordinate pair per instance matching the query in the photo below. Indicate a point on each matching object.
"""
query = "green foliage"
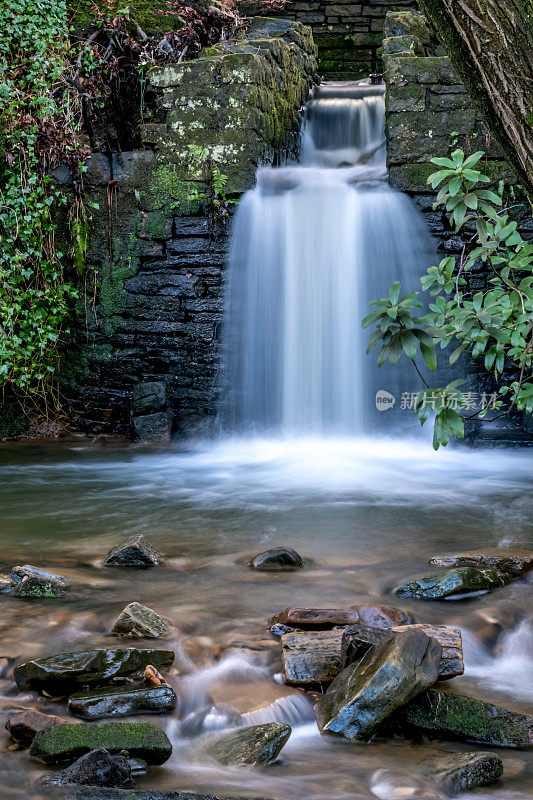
(495, 324)
(35, 298)
(216, 195)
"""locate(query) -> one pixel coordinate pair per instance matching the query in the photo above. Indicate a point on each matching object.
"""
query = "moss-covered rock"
(140, 621)
(459, 581)
(86, 667)
(69, 742)
(455, 716)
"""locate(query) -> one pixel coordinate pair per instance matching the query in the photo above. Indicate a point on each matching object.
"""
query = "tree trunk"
(490, 43)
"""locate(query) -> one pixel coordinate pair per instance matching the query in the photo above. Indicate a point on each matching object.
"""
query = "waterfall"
(311, 244)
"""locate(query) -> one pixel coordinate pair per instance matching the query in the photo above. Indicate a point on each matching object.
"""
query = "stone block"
(405, 23)
(149, 396)
(152, 427)
(420, 69)
(132, 167)
(406, 98)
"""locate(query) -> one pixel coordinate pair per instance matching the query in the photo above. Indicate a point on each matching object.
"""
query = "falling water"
(312, 243)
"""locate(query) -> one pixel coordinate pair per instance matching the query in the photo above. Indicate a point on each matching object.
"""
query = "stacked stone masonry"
(348, 33)
(148, 360)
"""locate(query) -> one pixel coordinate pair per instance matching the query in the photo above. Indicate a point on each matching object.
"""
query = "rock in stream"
(251, 746)
(23, 727)
(122, 701)
(140, 621)
(277, 559)
(135, 552)
(389, 675)
(97, 768)
(62, 672)
(515, 562)
(69, 742)
(452, 582)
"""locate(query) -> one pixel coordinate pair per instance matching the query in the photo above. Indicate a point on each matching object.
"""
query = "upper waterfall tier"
(344, 125)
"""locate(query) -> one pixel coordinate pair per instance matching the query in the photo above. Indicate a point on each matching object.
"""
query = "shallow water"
(365, 514)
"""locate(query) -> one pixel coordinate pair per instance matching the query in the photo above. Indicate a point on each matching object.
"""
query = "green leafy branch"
(495, 324)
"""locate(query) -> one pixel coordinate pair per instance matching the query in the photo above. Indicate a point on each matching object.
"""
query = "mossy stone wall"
(157, 249)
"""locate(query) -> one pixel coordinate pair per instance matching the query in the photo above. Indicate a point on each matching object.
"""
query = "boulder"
(134, 552)
(62, 672)
(97, 768)
(515, 562)
(39, 588)
(122, 701)
(24, 726)
(251, 746)
(69, 742)
(140, 621)
(311, 657)
(455, 716)
(370, 615)
(389, 675)
(459, 772)
(453, 582)
(278, 559)
(357, 640)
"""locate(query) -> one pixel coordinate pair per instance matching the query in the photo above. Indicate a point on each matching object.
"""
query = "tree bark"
(490, 43)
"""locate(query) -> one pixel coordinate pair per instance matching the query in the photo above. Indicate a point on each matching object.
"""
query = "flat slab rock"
(68, 742)
(389, 675)
(25, 726)
(135, 552)
(452, 582)
(372, 616)
(140, 621)
(87, 667)
(311, 658)
(97, 768)
(357, 640)
(122, 701)
(515, 562)
(456, 716)
(253, 746)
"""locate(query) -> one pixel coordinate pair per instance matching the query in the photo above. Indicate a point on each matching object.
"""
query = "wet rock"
(389, 675)
(212, 718)
(390, 784)
(279, 630)
(140, 621)
(97, 768)
(96, 793)
(122, 701)
(64, 671)
(370, 615)
(251, 746)
(25, 726)
(453, 582)
(39, 588)
(134, 552)
(278, 559)
(311, 658)
(455, 716)
(18, 574)
(515, 562)
(6, 584)
(357, 640)
(69, 742)
(459, 772)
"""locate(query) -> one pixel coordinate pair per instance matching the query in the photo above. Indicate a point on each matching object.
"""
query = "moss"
(167, 189)
(142, 13)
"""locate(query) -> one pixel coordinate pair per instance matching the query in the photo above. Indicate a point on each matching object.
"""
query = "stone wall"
(427, 111)
(348, 33)
(149, 354)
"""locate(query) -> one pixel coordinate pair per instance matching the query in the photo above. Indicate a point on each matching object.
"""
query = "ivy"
(494, 325)
(37, 120)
